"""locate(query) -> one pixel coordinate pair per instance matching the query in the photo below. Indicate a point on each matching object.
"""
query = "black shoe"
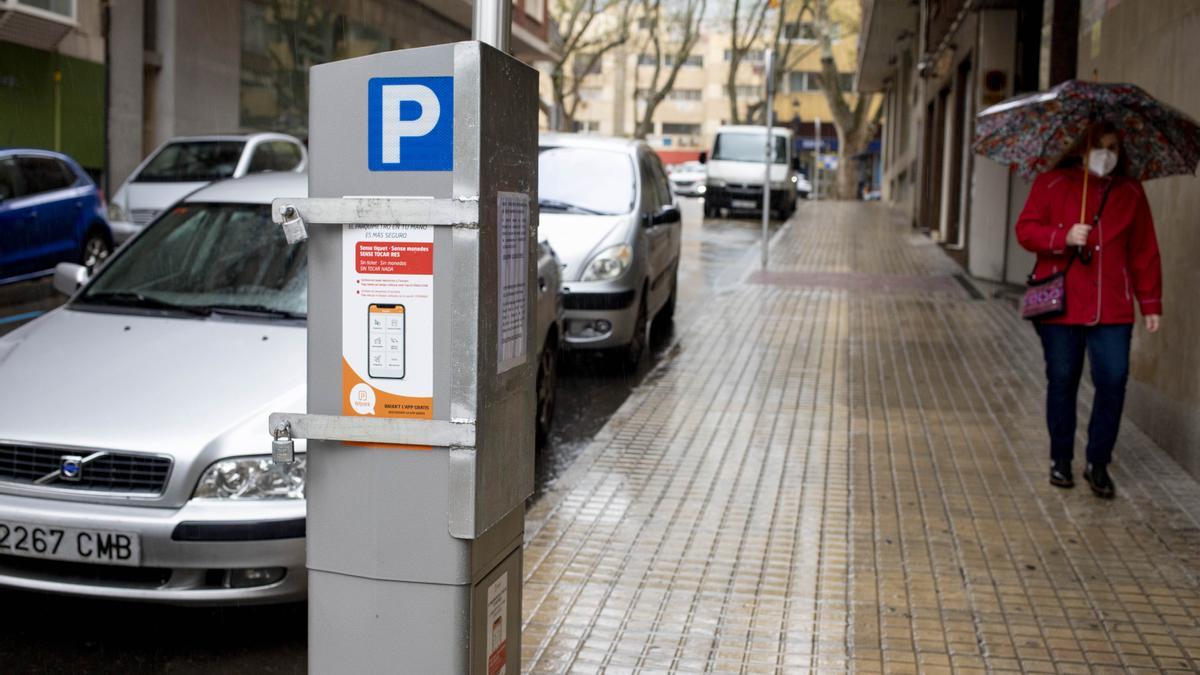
(1097, 477)
(1060, 474)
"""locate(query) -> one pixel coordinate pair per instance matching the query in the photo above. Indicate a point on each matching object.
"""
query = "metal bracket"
(462, 213)
(436, 433)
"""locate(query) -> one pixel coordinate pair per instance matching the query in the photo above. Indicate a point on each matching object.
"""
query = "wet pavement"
(714, 256)
(24, 301)
(843, 467)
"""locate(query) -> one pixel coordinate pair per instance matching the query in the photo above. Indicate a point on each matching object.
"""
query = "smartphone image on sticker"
(385, 341)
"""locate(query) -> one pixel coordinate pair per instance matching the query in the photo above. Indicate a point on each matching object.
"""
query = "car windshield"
(193, 161)
(208, 258)
(747, 147)
(585, 180)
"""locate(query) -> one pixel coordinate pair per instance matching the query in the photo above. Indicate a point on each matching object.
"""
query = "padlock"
(293, 225)
(283, 448)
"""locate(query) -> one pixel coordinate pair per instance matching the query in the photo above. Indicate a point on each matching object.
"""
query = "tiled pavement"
(843, 467)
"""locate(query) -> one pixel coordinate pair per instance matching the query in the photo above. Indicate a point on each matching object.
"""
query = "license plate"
(743, 204)
(68, 543)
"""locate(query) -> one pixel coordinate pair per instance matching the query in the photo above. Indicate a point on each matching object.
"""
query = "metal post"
(766, 200)
(493, 23)
(816, 181)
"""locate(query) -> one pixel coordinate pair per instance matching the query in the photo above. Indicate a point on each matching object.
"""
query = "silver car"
(607, 209)
(188, 163)
(134, 462)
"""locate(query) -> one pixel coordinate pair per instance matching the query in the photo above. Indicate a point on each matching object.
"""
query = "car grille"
(142, 216)
(90, 574)
(109, 472)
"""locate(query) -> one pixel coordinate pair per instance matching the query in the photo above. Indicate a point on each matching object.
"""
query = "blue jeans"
(1107, 347)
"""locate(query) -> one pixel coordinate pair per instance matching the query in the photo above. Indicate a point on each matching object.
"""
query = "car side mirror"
(69, 277)
(668, 214)
(704, 158)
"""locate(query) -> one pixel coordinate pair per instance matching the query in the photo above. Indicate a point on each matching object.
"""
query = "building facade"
(939, 62)
(179, 67)
(52, 78)
(612, 97)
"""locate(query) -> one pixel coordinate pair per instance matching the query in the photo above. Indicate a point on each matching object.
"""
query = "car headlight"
(609, 263)
(252, 478)
(115, 212)
(795, 179)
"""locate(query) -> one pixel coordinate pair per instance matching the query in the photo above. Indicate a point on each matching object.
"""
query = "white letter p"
(394, 128)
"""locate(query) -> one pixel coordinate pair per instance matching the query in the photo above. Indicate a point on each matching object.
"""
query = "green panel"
(27, 103)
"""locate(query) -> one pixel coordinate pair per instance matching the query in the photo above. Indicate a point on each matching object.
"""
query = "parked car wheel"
(547, 381)
(637, 345)
(95, 249)
(667, 313)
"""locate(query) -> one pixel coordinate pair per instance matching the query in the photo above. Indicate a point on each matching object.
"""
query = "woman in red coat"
(1115, 263)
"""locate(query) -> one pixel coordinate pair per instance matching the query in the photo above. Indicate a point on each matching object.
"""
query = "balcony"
(40, 24)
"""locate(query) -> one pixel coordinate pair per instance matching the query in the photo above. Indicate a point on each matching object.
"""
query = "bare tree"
(679, 24)
(856, 126)
(746, 21)
(588, 29)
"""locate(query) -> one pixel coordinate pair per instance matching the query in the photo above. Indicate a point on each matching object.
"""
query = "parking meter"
(421, 227)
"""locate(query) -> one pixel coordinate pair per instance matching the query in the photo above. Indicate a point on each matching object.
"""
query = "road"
(46, 633)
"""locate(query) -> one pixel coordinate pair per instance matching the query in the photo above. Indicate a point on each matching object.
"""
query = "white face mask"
(1101, 162)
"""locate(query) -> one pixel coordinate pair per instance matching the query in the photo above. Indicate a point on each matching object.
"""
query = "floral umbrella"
(1034, 131)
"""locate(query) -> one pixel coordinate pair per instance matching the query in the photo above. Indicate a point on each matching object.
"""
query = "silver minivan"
(608, 210)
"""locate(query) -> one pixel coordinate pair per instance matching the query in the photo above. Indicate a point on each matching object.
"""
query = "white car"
(736, 172)
(185, 164)
(687, 179)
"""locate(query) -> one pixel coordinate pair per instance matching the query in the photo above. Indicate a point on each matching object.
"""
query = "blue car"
(50, 212)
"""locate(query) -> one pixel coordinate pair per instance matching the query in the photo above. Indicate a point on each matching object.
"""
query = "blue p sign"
(410, 123)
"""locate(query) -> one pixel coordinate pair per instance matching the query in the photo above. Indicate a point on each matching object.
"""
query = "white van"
(735, 171)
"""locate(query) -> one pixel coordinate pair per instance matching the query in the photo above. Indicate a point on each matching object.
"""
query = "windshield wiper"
(567, 206)
(254, 310)
(133, 299)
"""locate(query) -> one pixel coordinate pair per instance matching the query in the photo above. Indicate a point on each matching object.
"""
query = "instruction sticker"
(387, 321)
(497, 628)
(513, 243)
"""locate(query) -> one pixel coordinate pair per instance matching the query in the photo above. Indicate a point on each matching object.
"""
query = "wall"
(125, 121)
(1152, 44)
(27, 103)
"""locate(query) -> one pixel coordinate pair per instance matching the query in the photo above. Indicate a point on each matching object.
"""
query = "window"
(586, 126)
(44, 174)
(680, 129)
(750, 55)
(846, 81)
(274, 156)
(747, 147)
(583, 180)
(202, 255)
(749, 90)
(10, 179)
(695, 60)
(193, 161)
(536, 10)
(645, 59)
(684, 95)
(804, 80)
(63, 8)
(583, 65)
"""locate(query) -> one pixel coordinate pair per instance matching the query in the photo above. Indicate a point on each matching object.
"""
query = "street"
(130, 638)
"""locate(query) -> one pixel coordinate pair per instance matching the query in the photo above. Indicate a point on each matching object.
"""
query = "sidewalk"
(843, 466)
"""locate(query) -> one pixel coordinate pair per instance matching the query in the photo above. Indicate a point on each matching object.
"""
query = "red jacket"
(1125, 261)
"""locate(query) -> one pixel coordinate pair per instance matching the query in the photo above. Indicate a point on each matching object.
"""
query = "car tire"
(709, 209)
(632, 353)
(96, 247)
(546, 392)
(667, 313)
